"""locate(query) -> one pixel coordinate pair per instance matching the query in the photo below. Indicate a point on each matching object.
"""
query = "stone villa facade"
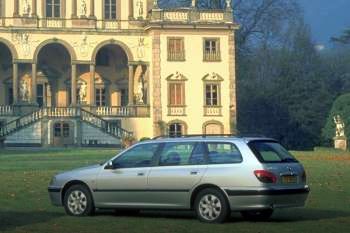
(91, 72)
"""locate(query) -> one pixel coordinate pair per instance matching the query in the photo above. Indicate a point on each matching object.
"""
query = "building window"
(57, 130)
(124, 100)
(212, 95)
(53, 8)
(100, 94)
(110, 9)
(211, 49)
(176, 130)
(65, 130)
(176, 94)
(176, 49)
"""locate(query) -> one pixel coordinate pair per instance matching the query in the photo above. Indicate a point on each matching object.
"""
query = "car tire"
(257, 215)
(211, 206)
(78, 201)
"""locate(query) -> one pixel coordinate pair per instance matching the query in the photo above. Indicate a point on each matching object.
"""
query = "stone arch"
(125, 48)
(177, 121)
(214, 123)
(65, 44)
(11, 47)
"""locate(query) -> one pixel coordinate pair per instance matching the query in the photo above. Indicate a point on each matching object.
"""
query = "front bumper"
(55, 196)
(267, 198)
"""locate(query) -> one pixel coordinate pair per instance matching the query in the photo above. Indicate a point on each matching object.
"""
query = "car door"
(125, 182)
(181, 166)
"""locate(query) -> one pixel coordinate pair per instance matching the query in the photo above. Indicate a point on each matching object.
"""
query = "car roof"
(205, 138)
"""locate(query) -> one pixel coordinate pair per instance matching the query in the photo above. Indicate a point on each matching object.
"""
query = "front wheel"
(211, 206)
(78, 201)
(257, 215)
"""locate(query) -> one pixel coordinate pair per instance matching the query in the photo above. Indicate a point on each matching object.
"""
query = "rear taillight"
(265, 176)
(303, 177)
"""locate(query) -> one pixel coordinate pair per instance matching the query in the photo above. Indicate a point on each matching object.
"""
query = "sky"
(327, 18)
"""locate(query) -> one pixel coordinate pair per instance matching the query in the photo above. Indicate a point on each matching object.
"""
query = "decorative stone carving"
(139, 4)
(141, 48)
(24, 42)
(24, 91)
(213, 77)
(176, 77)
(26, 7)
(84, 46)
(83, 8)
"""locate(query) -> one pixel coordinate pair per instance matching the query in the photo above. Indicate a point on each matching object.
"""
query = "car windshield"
(271, 152)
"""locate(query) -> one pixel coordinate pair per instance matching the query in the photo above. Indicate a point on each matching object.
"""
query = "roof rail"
(206, 136)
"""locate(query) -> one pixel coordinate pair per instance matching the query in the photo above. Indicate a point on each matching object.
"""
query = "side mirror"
(109, 166)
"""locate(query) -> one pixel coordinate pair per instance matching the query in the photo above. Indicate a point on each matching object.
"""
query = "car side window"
(223, 153)
(176, 154)
(139, 156)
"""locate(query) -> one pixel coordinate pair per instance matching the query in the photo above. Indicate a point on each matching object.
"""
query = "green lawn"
(24, 204)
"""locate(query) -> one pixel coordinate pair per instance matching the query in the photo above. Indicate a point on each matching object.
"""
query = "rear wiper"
(289, 160)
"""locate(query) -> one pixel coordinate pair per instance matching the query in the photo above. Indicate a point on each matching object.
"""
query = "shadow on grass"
(13, 219)
(290, 215)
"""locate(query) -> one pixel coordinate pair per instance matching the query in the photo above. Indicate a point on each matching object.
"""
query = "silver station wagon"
(213, 176)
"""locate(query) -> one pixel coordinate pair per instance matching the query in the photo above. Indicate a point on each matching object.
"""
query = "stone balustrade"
(212, 111)
(176, 110)
(6, 110)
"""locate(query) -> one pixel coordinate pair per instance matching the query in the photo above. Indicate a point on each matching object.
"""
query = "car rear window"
(271, 152)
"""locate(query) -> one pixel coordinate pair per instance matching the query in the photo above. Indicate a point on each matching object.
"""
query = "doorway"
(63, 134)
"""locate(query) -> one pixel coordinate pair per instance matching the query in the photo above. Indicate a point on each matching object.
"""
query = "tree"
(343, 39)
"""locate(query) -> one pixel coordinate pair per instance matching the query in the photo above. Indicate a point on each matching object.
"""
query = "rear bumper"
(267, 198)
(55, 196)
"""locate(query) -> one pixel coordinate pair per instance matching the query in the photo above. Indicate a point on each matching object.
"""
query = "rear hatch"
(280, 168)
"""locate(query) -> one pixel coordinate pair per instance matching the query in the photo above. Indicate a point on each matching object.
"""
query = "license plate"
(289, 179)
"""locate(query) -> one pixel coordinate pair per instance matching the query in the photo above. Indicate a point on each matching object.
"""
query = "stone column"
(74, 9)
(92, 86)
(34, 94)
(74, 85)
(16, 8)
(131, 9)
(131, 85)
(15, 83)
(92, 9)
(34, 8)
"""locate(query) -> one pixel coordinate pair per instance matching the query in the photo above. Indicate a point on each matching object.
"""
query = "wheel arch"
(201, 187)
(75, 182)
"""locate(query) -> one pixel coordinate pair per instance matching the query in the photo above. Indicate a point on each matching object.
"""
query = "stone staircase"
(69, 112)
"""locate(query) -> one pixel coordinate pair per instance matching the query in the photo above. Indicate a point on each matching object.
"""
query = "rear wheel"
(257, 215)
(78, 201)
(211, 206)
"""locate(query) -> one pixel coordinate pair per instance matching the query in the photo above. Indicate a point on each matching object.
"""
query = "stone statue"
(339, 126)
(82, 92)
(193, 4)
(138, 85)
(228, 4)
(141, 48)
(26, 7)
(139, 94)
(24, 91)
(83, 8)
(140, 8)
(155, 4)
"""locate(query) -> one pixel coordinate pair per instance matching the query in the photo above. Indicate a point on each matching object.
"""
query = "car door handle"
(194, 172)
(140, 174)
